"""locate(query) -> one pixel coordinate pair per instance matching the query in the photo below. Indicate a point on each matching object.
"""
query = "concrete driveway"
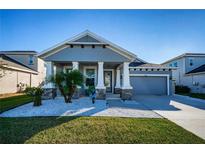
(186, 112)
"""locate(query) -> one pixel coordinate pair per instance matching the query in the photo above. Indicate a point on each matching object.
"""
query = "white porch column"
(49, 72)
(126, 76)
(54, 70)
(75, 65)
(100, 83)
(118, 79)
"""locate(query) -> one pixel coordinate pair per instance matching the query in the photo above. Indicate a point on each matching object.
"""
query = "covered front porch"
(107, 77)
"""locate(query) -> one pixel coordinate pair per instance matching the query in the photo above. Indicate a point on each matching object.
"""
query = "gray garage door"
(148, 85)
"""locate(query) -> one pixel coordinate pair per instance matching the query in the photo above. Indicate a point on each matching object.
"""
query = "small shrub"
(90, 90)
(182, 89)
(36, 93)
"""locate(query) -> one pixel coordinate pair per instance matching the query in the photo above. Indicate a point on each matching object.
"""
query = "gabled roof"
(185, 55)
(99, 40)
(18, 66)
(199, 69)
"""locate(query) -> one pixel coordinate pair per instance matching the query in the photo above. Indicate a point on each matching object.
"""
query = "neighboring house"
(20, 69)
(190, 70)
(108, 67)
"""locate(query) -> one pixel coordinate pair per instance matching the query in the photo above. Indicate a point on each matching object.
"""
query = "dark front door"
(108, 80)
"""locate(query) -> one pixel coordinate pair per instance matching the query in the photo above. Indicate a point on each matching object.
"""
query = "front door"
(108, 80)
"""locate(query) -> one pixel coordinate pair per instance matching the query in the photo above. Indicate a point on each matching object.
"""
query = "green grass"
(92, 130)
(14, 101)
(194, 95)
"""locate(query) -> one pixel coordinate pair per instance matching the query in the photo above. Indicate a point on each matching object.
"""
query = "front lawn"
(14, 101)
(92, 130)
(194, 95)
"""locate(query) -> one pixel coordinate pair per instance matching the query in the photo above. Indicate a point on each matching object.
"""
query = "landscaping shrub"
(182, 89)
(36, 93)
(67, 83)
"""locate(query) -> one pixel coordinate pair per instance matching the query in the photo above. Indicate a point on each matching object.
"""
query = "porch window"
(90, 77)
(67, 69)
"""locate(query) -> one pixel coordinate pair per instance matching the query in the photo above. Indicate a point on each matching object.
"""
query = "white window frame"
(156, 75)
(65, 67)
(95, 70)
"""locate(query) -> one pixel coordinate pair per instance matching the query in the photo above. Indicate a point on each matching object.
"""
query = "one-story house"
(110, 68)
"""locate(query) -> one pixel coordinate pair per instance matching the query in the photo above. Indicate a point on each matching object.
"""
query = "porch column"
(126, 92)
(49, 73)
(100, 88)
(49, 88)
(54, 70)
(117, 86)
(77, 92)
(75, 65)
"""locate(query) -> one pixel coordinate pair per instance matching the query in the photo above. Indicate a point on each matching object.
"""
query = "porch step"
(113, 97)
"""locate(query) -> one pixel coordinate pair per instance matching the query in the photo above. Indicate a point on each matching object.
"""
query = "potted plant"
(36, 93)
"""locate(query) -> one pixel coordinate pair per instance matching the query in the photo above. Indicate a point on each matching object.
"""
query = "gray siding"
(87, 39)
(87, 54)
(197, 61)
(24, 59)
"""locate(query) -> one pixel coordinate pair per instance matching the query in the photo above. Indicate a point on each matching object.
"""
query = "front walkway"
(186, 112)
(83, 107)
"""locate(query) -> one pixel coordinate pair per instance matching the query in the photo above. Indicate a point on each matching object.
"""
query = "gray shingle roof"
(141, 64)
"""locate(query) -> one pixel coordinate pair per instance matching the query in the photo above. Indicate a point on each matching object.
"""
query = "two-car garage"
(150, 84)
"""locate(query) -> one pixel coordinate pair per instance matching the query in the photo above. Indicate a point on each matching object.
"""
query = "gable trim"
(120, 50)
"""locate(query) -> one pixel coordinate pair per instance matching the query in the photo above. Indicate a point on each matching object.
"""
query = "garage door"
(149, 85)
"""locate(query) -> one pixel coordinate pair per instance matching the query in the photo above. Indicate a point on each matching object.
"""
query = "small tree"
(67, 83)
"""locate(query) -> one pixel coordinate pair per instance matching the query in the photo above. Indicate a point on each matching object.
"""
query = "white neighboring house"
(20, 68)
(190, 70)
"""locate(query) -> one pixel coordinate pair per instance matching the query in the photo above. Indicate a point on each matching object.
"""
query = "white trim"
(198, 73)
(19, 69)
(75, 65)
(90, 67)
(184, 55)
(87, 43)
(156, 75)
(120, 53)
(53, 52)
(99, 38)
(153, 67)
(112, 70)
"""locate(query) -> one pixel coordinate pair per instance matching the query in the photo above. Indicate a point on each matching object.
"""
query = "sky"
(153, 35)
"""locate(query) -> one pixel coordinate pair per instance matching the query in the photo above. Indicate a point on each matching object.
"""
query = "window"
(175, 64)
(191, 63)
(90, 77)
(170, 65)
(67, 69)
(31, 60)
